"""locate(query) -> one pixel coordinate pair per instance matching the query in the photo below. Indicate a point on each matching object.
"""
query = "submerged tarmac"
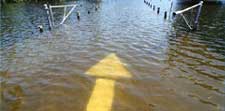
(122, 57)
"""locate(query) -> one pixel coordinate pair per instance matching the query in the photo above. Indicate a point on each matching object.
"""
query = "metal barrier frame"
(50, 15)
(180, 12)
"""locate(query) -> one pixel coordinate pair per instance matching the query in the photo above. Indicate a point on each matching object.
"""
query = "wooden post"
(158, 10)
(78, 15)
(165, 15)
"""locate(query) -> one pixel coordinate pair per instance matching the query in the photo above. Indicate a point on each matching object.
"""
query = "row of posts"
(158, 8)
(78, 13)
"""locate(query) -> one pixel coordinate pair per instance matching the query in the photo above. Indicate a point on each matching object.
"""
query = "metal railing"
(180, 12)
(50, 14)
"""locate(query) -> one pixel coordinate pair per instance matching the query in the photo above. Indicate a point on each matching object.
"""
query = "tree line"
(17, 1)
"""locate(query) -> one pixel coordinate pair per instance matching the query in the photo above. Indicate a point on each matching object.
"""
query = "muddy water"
(172, 69)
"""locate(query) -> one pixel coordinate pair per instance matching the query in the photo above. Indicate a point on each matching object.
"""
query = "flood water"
(172, 69)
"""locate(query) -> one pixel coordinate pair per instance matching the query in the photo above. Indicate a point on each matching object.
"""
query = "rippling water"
(172, 69)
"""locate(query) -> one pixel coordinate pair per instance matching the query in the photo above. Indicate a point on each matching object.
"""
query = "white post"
(51, 13)
(64, 15)
(49, 19)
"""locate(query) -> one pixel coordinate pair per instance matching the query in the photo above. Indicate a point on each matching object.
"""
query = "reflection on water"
(172, 69)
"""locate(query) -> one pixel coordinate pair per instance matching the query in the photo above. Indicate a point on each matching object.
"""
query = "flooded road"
(160, 66)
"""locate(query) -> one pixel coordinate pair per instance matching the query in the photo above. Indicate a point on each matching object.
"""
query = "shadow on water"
(211, 28)
(189, 60)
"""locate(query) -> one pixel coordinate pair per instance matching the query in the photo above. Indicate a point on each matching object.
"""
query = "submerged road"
(122, 57)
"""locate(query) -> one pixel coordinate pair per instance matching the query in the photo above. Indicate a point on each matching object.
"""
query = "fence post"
(165, 14)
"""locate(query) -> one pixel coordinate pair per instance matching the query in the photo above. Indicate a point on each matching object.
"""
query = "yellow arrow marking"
(106, 71)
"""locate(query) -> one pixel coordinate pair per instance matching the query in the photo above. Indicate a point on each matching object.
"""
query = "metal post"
(48, 16)
(198, 15)
(171, 6)
(51, 13)
(64, 13)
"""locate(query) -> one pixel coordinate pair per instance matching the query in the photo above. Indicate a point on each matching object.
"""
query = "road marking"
(106, 72)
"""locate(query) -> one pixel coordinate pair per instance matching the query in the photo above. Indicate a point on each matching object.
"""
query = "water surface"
(172, 68)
